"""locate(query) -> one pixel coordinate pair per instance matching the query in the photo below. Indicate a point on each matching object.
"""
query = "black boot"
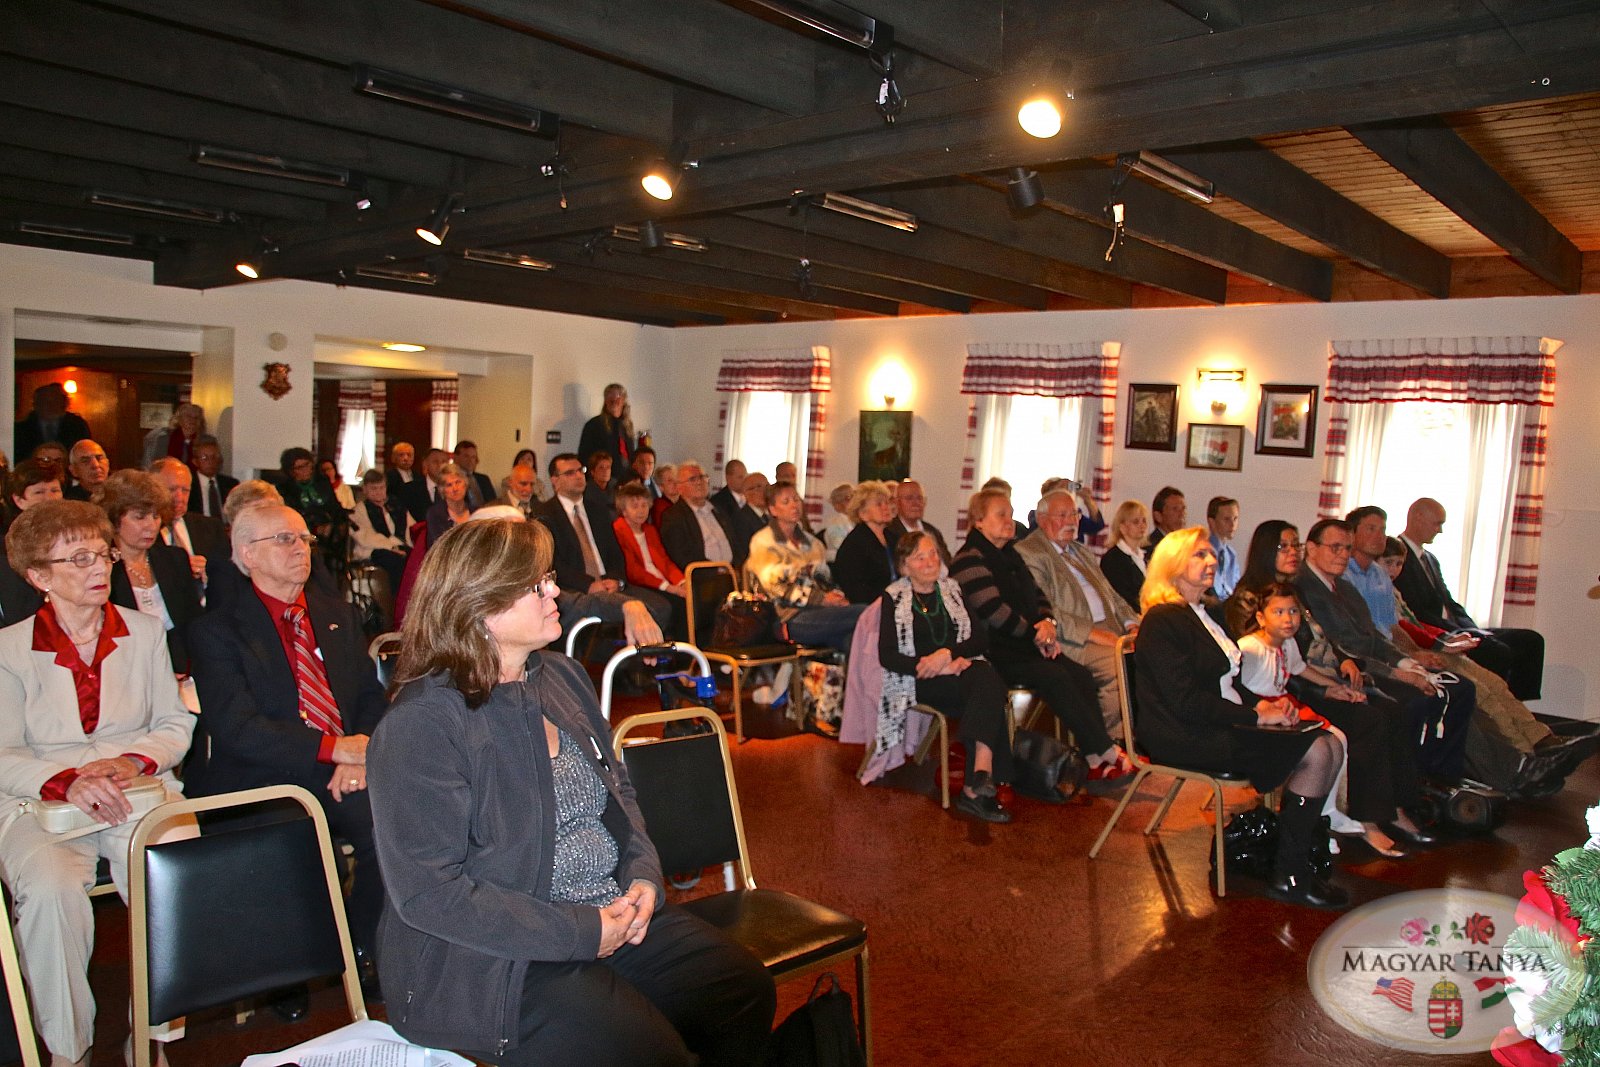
(1294, 879)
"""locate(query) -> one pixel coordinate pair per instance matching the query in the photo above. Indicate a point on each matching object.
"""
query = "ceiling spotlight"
(506, 259)
(1041, 113)
(866, 209)
(74, 233)
(662, 177)
(681, 241)
(167, 209)
(1165, 172)
(452, 101)
(254, 265)
(394, 274)
(436, 228)
(272, 166)
(404, 346)
(1024, 189)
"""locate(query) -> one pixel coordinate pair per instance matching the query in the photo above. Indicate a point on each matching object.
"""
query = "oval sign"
(1421, 971)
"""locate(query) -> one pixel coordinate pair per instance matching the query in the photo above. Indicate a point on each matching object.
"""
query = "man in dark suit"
(289, 694)
(398, 474)
(1515, 655)
(88, 463)
(419, 494)
(49, 421)
(208, 486)
(18, 598)
(910, 502)
(735, 508)
(480, 490)
(203, 538)
(685, 526)
(589, 565)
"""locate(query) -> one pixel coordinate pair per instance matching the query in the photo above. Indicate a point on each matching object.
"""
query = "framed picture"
(1153, 417)
(1287, 422)
(1215, 447)
(885, 446)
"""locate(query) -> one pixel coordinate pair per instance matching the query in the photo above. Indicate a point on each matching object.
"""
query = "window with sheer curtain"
(1461, 420)
(767, 428)
(1026, 439)
(775, 408)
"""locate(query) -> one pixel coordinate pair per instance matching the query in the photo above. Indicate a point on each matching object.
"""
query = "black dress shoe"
(367, 974)
(989, 808)
(1419, 838)
(291, 1004)
(1308, 891)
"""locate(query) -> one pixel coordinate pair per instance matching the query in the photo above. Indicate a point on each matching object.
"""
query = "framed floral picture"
(1213, 446)
(1286, 425)
(1153, 417)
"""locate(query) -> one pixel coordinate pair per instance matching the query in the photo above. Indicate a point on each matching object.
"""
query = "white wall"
(572, 358)
(1285, 343)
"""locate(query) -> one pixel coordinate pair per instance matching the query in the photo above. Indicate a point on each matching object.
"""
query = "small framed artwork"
(885, 446)
(1287, 422)
(1215, 447)
(1153, 417)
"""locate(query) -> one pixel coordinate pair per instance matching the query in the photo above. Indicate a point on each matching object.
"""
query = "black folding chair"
(690, 804)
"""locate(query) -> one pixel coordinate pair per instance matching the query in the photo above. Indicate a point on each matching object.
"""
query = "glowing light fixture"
(437, 228)
(866, 209)
(404, 346)
(70, 386)
(506, 259)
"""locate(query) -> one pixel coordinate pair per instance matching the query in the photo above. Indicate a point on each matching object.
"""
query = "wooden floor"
(1006, 944)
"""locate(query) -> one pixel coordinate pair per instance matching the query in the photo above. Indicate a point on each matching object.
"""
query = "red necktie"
(316, 699)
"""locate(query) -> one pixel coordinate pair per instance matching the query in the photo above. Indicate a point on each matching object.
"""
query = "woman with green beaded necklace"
(932, 654)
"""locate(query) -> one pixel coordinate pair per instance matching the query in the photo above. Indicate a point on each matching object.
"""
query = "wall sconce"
(891, 381)
(1220, 384)
(70, 386)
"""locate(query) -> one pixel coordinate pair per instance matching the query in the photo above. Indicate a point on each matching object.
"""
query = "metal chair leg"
(1222, 866)
(863, 1011)
(1166, 803)
(1122, 805)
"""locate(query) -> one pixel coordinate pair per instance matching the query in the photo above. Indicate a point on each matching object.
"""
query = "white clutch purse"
(62, 817)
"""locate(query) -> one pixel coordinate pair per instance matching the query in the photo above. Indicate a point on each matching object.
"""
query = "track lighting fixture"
(1164, 172)
(436, 228)
(661, 179)
(667, 239)
(1024, 189)
(74, 233)
(1044, 106)
(395, 274)
(506, 259)
(273, 166)
(254, 265)
(649, 236)
(419, 92)
(167, 209)
(866, 209)
(837, 20)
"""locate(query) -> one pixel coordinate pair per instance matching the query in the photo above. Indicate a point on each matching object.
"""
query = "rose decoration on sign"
(1413, 931)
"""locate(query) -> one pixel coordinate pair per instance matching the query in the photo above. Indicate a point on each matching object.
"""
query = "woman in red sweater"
(646, 559)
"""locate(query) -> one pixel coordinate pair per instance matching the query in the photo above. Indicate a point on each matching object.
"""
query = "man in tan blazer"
(1090, 616)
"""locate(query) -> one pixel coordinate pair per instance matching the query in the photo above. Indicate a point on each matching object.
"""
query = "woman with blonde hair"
(1123, 563)
(864, 564)
(525, 913)
(1194, 713)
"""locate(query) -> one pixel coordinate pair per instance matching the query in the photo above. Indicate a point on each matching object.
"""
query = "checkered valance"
(446, 396)
(776, 370)
(1452, 370)
(1087, 368)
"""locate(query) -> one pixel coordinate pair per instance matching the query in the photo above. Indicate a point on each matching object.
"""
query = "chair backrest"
(686, 792)
(1126, 697)
(385, 653)
(709, 583)
(18, 1043)
(236, 912)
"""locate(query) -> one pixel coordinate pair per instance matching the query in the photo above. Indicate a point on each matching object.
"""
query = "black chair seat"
(783, 931)
(755, 652)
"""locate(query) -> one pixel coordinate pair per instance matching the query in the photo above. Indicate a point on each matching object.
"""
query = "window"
(767, 428)
(358, 441)
(1026, 439)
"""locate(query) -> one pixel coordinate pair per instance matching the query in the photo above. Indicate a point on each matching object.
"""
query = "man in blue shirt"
(1222, 516)
(1369, 527)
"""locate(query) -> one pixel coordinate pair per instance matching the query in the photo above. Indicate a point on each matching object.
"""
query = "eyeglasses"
(285, 538)
(693, 478)
(546, 586)
(569, 470)
(1338, 548)
(83, 559)
(1291, 546)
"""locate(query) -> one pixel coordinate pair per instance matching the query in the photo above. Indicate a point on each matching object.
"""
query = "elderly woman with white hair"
(839, 524)
(178, 438)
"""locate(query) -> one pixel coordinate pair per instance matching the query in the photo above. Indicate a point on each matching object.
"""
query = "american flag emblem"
(1398, 990)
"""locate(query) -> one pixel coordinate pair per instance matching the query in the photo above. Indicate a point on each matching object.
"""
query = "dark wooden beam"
(1265, 182)
(1174, 223)
(443, 46)
(696, 41)
(968, 35)
(113, 178)
(167, 114)
(980, 212)
(26, 201)
(774, 233)
(1434, 156)
(81, 37)
(1214, 15)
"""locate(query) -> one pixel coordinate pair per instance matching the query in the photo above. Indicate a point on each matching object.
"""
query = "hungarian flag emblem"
(1444, 1009)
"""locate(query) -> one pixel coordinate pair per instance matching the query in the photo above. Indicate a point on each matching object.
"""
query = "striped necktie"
(317, 707)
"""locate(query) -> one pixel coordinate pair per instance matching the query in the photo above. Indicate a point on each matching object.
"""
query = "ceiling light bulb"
(404, 346)
(1040, 117)
(658, 183)
(248, 269)
(437, 228)
(70, 386)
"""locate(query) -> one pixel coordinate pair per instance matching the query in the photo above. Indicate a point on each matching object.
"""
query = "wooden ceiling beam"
(1189, 229)
(28, 201)
(439, 45)
(1265, 182)
(1434, 156)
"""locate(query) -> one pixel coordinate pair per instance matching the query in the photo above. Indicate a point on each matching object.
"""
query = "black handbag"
(1046, 768)
(744, 621)
(1250, 843)
(819, 1033)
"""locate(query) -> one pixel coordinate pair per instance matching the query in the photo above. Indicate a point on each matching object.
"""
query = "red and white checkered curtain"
(783, 370)
(1454, 370)
(1085, 369)
(380, 411)
(446, 397)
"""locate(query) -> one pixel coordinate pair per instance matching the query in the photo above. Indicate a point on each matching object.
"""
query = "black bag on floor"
(1045, 767)
(819, 1033)
(1250, 843)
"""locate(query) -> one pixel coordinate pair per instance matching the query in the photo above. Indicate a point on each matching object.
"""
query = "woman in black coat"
(611, 430)
(152, 576)
(864, 564)
(1193, 713)
(1123, 562)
